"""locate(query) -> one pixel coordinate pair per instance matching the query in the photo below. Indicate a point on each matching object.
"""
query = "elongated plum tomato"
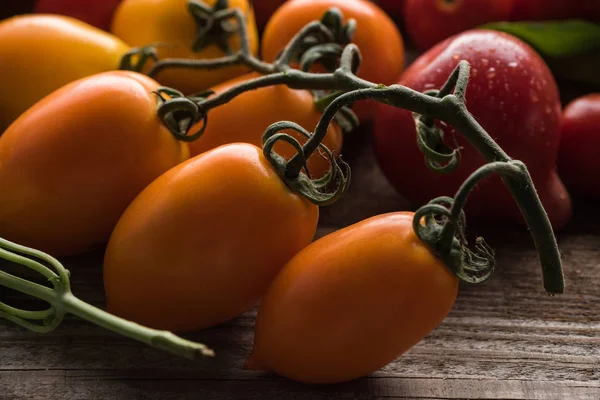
(246, 117)
(74, 161)
(514, 97)
(201, 244)
(169, 25)
(94, 12)
(376, 35)
(431, 21)
(351, 302)
(579, 140)
(42, 53)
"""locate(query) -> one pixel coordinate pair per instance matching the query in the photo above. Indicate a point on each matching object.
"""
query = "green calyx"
(180, 113)
(324, 46)
(295, 172)
(214, 25)
(62, 302)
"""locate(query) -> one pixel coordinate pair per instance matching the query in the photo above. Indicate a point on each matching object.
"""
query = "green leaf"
(554, 39)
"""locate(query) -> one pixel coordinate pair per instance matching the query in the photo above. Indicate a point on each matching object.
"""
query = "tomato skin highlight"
(201, 244)
(168, 22)
(247, 117)
(512, 94)
(431, 21)
(351, 302)
(94, 12)
(70, 50)
(377, 37)
(72, 163)
(580, 136)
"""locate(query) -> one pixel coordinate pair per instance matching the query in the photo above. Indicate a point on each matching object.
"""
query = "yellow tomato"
(72, 163)
(41, 53)
(170, 24)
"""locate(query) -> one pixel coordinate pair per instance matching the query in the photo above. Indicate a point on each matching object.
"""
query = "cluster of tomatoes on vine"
(207, 203)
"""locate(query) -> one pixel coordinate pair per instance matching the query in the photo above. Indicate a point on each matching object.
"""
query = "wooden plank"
(166, 385)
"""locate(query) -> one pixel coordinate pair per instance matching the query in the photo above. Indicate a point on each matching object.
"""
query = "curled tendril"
(321, 191)
(439, 157)
(434, 221)
(179, 113)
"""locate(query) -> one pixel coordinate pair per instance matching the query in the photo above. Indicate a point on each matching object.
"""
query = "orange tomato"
(170, 24)
(351, 302)
(42, 53)
(377, 37)
(73, 162)
(201, 244)
(246, 117)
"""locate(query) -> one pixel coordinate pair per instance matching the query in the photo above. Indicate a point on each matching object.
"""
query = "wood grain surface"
(505, 339)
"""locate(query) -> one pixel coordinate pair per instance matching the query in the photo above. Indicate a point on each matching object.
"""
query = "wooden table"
(505, 339)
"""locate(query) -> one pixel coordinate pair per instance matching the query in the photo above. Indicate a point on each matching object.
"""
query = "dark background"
(12, 7)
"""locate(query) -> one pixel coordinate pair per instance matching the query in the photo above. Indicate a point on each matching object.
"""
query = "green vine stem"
(62, 302)
(451, 109)
(446, 104)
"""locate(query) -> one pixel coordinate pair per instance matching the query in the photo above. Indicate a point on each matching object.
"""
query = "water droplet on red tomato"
(533, 96)
(456, 56)
(491, 73)
(485, 62)
(548, 110)
(513, 64)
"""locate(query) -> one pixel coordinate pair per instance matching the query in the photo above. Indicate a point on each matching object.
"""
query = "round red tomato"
(95, 12)
(580, 136)
(512, 94)
(430, 21)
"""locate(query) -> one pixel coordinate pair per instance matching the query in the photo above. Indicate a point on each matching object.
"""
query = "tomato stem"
(323, 39)
(62, 302)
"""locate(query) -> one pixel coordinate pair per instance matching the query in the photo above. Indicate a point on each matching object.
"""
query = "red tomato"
(431, 21)
(263, 9)
(95, 12)
(376, 35)
(512, 94)
(395, 8)
(539, 10)
(580, 135)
